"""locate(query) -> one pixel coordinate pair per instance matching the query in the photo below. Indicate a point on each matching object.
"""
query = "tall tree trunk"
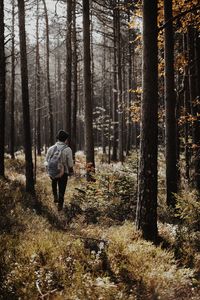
(51, 127)
(25, 99)
(114, 109)
(59, 105)
(197, 55)
(197, 123)
(146, 214)
(38, 86)
(89, 140)
(119, 86)
(110, 107)
(195, 107)
(103, 139)
(130, 87)
(69, 66)
(2, 90)
(170, 107)
(75, 77)
(12, 100)
(187, 111)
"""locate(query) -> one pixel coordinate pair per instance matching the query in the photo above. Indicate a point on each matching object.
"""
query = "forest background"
(123, 78)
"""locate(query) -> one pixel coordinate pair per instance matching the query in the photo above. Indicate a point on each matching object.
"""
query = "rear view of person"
(59, 164)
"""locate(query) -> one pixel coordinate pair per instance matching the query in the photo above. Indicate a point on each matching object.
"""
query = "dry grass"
(47, 255)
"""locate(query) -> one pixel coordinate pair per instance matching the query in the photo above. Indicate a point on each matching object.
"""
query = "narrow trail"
(63, 255)
(65, 220)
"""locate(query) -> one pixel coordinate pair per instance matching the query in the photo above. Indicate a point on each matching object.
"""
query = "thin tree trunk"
(92, 55)
(146, 214)
(103, 140)
(89, 140)
(59, 104)
(170, 107)
(187, 111)
(51, 127)
(2, 90)
(197, 55)
(130, 87)
(115, 115)
(25, 99)
(75, 62)
(195, 107)
(119, 87)
(197, 84)
(69, 66)
(38, 86)
(12, 108)
(110, 109)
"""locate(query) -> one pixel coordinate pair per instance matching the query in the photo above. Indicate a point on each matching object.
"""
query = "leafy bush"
(188, 209)
(112, 195)
(187, 246)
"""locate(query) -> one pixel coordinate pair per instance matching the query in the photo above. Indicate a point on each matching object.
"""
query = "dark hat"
(62, 135)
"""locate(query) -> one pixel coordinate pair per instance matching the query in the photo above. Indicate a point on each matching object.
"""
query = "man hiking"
(59, 164)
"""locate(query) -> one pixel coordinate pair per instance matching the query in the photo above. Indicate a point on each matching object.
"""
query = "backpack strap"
(61, 150)
(64, 147)
(54, 151)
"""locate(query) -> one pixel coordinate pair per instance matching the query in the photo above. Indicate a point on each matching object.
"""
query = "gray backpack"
(55, 167)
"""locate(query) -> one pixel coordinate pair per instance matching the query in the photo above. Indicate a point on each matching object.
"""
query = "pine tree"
(89, 140)
(2, 89)
(146, 215)
(25, 99)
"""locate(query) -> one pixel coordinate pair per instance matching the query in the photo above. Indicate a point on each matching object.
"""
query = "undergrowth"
(92, 250)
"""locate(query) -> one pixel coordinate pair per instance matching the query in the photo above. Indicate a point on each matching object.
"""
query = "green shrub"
(187, 246)
(112, 195)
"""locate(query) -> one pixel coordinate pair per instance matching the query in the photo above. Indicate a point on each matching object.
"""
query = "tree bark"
(38, 86)
(2, 90)
(170, 108)
(60, 106)
(51, 128)
(194, 102)
(146, 214)
(89, 140)
(130, 87)
(25, 99)
(187, 111)
(103, 104)
(119, 87)
(197, 55)
(75, 77)
(69, 66)
(12, 98)
(114, 108)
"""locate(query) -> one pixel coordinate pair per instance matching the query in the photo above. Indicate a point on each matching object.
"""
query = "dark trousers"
(61, 183)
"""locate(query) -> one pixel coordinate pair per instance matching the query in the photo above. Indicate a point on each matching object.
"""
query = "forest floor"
(90, 250)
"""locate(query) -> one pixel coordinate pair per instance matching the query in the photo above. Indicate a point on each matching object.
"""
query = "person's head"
(62, 136)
